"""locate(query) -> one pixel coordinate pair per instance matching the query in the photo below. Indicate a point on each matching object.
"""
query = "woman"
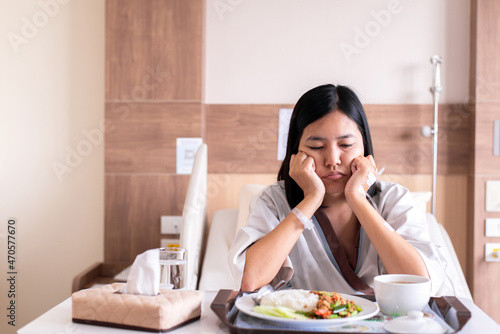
(315, 228)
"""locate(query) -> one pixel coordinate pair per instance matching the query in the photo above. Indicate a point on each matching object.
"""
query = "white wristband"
(308, 223)
(363, 188)
(369, 182)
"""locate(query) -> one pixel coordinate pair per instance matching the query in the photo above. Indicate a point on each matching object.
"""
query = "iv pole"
(427, 131)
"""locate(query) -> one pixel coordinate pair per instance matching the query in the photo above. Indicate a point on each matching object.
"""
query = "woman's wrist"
(308, 223)
(356, 200)
(314, 199)
(307, 207)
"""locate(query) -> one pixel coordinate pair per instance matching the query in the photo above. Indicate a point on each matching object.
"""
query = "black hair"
(312, 106)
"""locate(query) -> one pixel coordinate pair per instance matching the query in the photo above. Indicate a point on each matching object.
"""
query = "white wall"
(51, 94)
(272, 51)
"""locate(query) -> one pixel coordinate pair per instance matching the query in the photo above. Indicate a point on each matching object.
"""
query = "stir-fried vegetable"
(331, 305)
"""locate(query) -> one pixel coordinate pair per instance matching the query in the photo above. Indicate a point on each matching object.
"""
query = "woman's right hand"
(265, 257)
(303, 171)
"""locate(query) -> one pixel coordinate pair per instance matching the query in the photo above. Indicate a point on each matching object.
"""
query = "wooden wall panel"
(487, 65)
(399, 145)
(243, 138)
(133, 207)
(485, 81)
(143, 138)
(451, 211)
(154, 85)
(486, 163)
(154, 49)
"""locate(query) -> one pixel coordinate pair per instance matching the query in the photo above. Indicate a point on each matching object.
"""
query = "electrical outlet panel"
(492, 252)
(169, 242)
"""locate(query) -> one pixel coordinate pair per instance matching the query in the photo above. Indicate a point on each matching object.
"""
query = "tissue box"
(105, 306)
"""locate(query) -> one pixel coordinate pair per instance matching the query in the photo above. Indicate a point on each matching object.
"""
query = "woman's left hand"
(361, 167)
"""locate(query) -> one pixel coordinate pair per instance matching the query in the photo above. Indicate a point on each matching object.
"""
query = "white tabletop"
(58, 320)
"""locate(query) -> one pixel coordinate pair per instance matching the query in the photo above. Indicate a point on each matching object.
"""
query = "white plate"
(246, 303)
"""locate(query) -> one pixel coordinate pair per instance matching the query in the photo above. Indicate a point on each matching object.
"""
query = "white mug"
(399, 294)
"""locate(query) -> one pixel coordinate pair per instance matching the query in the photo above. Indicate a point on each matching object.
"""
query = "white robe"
(311, 263)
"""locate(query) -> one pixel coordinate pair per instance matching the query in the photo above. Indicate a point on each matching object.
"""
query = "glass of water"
(173, 268)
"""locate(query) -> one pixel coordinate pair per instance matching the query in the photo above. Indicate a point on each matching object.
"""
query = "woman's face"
(333, 141)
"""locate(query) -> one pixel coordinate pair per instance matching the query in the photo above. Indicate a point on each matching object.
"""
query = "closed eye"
(315, 147)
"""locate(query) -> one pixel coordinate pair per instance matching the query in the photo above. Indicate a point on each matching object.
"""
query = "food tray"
(448, 308)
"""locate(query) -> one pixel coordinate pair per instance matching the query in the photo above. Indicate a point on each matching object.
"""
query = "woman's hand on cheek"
(303, 171)
(361, 167)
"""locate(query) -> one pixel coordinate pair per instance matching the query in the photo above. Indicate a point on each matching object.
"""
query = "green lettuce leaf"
(279, 311)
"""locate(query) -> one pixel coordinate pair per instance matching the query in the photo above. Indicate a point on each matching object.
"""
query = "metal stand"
(427, 131)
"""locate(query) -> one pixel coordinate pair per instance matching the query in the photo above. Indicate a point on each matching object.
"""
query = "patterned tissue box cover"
(105, 306)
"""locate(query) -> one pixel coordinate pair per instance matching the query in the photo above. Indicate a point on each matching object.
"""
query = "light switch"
(492, 196)
(185, 152)
(492, 227)
(492, 252)
(171, 224)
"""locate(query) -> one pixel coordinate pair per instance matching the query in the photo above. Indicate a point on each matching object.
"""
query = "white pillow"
(421, 198)
(247, 192)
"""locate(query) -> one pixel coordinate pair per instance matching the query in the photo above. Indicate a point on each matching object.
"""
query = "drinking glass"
(173, 268)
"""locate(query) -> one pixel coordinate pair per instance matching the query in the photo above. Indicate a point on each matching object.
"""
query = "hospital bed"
(216, 274)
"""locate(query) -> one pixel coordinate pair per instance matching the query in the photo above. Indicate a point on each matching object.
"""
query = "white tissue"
(144, 276)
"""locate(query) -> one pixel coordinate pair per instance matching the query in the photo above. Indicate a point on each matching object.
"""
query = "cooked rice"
(298, 300)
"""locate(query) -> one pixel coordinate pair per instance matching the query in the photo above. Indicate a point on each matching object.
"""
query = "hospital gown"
(311, 265)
